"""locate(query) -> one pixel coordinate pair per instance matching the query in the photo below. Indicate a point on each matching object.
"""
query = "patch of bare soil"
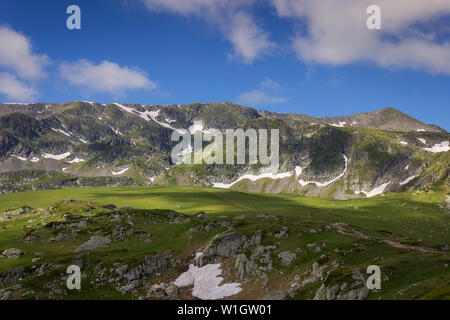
(345, 229)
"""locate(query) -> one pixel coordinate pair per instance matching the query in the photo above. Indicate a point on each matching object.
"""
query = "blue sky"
(278, 55)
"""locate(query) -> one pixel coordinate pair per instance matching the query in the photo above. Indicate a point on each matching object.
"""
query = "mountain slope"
(343, 157)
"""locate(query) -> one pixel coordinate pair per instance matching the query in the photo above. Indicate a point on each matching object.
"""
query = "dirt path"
(345, 229)
(340, 228)
(396, 244)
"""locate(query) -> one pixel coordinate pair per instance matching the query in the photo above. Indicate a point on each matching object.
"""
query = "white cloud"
(16, 55)
(269, 83)
(230, 17)
(248, 39)
(15, 89)
(336, 33)
(105, 77)
(259, 97)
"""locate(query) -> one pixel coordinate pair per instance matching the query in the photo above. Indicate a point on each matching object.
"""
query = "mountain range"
(58, 145)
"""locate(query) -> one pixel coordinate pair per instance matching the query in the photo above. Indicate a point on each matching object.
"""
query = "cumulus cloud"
(259, 97)
(105, 77)
(15, 89)
(248, 39)
(17, 56)
(230, 17)
(336, 33)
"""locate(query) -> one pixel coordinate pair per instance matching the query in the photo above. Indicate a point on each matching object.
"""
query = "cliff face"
(343, 157)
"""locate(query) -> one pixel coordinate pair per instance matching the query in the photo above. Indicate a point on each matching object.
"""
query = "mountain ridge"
(370, 119)
(87, 139)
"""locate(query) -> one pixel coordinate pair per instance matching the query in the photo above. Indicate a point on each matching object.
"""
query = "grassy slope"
(405, 218)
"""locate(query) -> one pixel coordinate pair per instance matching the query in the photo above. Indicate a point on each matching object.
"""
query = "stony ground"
(300, 252)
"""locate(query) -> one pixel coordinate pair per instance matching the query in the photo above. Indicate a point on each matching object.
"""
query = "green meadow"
(419, 222)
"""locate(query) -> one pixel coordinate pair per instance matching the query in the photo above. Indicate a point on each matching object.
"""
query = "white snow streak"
(115, 173)
(147, 116)
(340, 124)
(76, 160)
(61, 131)
(422, 140)
(407, 180)
(376, 191)
(55, 156)
(253, 177)
(324, 184)
(20, 158)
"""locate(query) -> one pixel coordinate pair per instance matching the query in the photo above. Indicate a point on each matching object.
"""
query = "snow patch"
(407, 180)
(340, 124)
(116, 131)
(324, 184)
(374, 192)
(196, 127)
(34, 159)
(20, 158)
(404, 143)
(91, 103)
(422, 140)
(439, 147)
(61, 131)
(298, 171)
(206, 281)
(116, 173)
(147, 116)
(420, 130)
(253, 177)
(407, 167)
(55, 156)
(65, 169)
(76, 160)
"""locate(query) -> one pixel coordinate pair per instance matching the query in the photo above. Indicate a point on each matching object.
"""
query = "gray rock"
(93, 243)
(153, 265)
(222, 246)
(163, 291)
(286, 257)
(355, 290)
(128, 288)
(246, 268)
(177, 218)
(12, 276)
(210, 226)
(13, 253)
(202, 215)
(283, 232)
(8, 215)
(121, 232)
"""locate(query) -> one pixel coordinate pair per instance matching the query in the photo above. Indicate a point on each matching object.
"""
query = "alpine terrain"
(93, 186)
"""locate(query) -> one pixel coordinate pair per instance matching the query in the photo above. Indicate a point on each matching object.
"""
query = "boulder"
(93, 243)
(12, 253)
(286, 257)
(8, 215)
